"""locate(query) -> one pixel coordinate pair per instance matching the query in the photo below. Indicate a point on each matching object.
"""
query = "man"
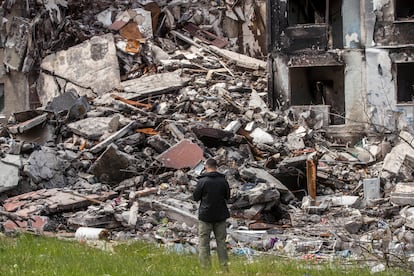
(213, 191)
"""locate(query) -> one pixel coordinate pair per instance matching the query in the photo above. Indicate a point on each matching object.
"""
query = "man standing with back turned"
(213, 191)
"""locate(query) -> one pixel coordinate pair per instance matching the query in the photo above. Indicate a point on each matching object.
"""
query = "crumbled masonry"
(132, 98)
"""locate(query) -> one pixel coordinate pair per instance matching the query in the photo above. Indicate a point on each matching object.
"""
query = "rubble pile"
(126, 124)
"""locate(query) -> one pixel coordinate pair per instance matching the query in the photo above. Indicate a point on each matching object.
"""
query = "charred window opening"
(328, 13)
(320, 85)
(336, 25)
(405, 82)
(404, 9)
(306, 12)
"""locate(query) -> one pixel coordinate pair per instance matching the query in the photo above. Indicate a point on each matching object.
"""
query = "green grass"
(34, 255)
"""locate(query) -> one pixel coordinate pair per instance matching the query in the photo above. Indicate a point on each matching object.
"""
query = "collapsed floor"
(124, 155)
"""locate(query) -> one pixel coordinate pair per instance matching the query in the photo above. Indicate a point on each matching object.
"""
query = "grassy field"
(34, 255)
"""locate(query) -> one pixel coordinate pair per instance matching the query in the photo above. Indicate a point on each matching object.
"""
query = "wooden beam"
(311, 178)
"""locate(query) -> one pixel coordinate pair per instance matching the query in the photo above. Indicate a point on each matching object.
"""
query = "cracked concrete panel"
(380, 87)
(92, 64)
(9, 168)
(354, 85)
(48, 88)
(16, 43)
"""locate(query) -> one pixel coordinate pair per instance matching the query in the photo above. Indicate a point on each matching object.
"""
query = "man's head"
(210, 165)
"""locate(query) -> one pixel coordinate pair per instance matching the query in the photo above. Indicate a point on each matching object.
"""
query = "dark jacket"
(213, 191)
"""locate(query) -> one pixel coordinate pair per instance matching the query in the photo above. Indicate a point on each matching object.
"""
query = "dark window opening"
(1, 97)
(316, 12)
(321, 85)
(405, 82)
(335, 24)
(404, 9)
(306, 12)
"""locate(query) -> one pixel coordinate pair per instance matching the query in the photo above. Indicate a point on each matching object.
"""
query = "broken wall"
(391, 29)
(351, 18)
(291, 86)
(382, 88)
(12, 51)
(389, 57)
(318, 52)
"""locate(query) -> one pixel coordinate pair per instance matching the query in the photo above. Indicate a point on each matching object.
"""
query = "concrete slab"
(9, 176)
(91, 64)
(154, 84)
(403, 194)
(91, 128)
(110, 165)
(184, 154)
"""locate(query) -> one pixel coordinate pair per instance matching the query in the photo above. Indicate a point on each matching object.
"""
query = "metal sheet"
(184, 154)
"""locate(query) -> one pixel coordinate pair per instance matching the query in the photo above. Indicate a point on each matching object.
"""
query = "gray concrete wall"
(16, 89)
(355, 92)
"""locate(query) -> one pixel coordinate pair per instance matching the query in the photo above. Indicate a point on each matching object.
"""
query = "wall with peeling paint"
(374, 41)
(380, 87)
(355, 93)
(281, 81)
(16, 97)
(351, 23)
(386, 41)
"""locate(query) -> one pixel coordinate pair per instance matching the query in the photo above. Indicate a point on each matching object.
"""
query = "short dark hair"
(211, 163)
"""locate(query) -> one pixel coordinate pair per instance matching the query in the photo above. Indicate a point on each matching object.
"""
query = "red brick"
(39, 222)
(12, 226)
(13, 206)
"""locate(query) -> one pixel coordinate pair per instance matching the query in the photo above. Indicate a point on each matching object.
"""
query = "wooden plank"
(311, 178)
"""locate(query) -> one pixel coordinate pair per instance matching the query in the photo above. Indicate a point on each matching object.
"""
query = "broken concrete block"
(394, 160)
(47, 168)
(48, 88)
(172, 212)
(372, 188)
(257, 194)
(251, 173)
(92, 64)
(295, 142)
(105, 17)
(184, 154)
(29, 124)
(16, 43)
(91, 128)
(403, 194)
(241, 60)
(75, 107)
(233, 126)
(353, 227)
(109, 166)
(9, 172)
(262, 137)
(154, 84)
(83, 92)
(62, 102)
(256, 102)
(120, 133)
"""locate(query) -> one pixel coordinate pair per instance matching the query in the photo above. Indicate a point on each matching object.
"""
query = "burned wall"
(355, 91)
(393, 22)
(351, 23)
(381, 90)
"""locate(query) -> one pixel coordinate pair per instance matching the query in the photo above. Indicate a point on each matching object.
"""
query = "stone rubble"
(128, 116)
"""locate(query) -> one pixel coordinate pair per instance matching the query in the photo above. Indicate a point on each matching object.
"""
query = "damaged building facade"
(348, 60)
(33, 31)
